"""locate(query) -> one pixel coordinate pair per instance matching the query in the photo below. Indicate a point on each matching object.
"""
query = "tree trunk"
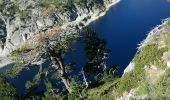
(85, 79)
(41, 65)
(66, 83)
(8, 30)
(57, 61)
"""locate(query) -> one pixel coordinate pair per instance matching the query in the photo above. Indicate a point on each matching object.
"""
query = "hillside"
(149, 78)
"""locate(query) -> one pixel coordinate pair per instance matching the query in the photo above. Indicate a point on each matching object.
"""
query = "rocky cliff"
(25, 21)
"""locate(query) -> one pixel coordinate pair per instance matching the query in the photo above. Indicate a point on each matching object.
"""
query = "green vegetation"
(168, 23)
(77, 89)
(7, 91)
(143, 88)
(51, 92)
(168, 0)
(167, 39)
(53, 5)
(103, 91)
(19, 64)
(160, 90)
(163, 86)
(16, 53)
(72, 89)
(136, 78)
(9, 9)
(151, 54)
(95, 50)
(68, 3)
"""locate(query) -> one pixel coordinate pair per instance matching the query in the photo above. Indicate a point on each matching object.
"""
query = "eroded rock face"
(3, 35)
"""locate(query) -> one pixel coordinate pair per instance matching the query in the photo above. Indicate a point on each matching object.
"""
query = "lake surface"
(123, 27)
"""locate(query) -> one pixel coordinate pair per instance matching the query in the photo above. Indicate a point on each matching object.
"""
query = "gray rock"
(49, 22)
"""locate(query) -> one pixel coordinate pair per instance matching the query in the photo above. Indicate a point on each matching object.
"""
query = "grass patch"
(163, 86)
(103, 91)
(144, 88)
(168, 23)
(167, 40)
(15, 54)
(159, 91)
(149, 55)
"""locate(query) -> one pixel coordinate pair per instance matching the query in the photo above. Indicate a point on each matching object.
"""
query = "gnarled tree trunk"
(57, 61)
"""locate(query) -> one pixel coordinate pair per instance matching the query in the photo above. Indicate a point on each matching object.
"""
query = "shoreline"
(151, 33)
(93, 16)
(156, 30)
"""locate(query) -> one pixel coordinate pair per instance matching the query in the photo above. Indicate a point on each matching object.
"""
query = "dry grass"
(38, 38)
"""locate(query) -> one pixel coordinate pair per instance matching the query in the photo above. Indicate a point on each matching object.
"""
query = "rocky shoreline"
(150, 66)
(154, 32)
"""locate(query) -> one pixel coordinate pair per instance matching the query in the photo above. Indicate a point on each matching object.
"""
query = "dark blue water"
(123, 27)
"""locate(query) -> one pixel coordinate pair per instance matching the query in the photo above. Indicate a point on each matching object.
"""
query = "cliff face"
(147, 76)
(25, 22)
(21, 20)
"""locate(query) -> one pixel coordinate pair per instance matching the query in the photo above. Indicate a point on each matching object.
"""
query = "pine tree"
(7, 91)
(96, 53)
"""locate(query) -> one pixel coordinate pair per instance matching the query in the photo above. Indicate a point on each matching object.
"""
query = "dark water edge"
(123, 27)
